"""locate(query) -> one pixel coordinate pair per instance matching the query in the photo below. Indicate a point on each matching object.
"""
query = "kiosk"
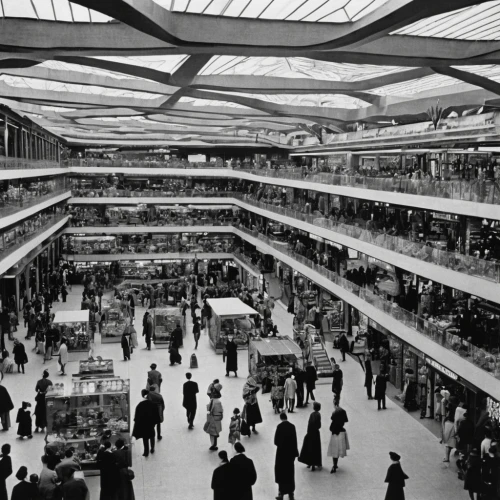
(74, 325)
(273, 354)
(232, 317)
(165, 320)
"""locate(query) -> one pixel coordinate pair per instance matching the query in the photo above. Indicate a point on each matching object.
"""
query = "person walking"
(125, 487)
(5, 470)
(196, 331)
(24, 429)
(290, 391)
(63, 355)
(251, 411)
(155, 397)
(235, 427)
(339, 442)
(6, 406)
(146, 417)
(41, 389)
(154, 377)
(64, 293)
(285, 440)
(310, 454)
(337, 382)
(189, 391)
(215, 414)
(380, 388)
(125, 343)
(221, 478)
(343, 345)
(395, 479)
(311, 377)
(69, 464)
(300, 378)
(147, 329)
(368, 377)
(243, 474)
(20, 356)
(110, 475)
(231, 355)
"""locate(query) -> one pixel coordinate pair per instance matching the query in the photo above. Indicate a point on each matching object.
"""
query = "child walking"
(235, 427)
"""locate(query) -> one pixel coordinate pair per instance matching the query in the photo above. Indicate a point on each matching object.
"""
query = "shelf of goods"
(74, 325)
(230, 317)
(95, 368)
(85, 414)
(273, 355)
(314, 350)
(165, 320)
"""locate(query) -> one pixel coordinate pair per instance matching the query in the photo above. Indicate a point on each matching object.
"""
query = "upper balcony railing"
(476, 190)
(488, 361)
(25, 164)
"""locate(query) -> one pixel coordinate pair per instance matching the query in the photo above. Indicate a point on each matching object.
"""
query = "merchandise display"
(95, 368)
(278, 354)
(115, 321)
(87, 413)
(230, 316)
(165, 320)
(74, 325)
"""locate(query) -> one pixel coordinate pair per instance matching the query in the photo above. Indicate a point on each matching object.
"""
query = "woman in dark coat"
(20, 357)
(395, 479)
(221, 478)
(251, 411)
(6, 406)
(125, 485)
(231, 357)
(110, 476)
(473, 479)
(311, 448)
(42, 386)
(5, 470)
(125, 348)
(285, 440)
(368, 377)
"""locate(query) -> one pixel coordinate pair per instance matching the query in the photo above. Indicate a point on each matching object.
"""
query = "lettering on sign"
(441, 368)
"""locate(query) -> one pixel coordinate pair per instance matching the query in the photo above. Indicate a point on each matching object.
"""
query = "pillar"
(347, 318)
(6, 138)
(18, 298)
(352, 162)
(37, 273)
(27, 279)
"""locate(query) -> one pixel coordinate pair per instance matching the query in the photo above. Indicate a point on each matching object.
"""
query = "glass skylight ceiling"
(478, 22)
(51, 10)
(331, 11)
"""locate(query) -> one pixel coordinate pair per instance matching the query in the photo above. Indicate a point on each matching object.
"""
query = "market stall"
(233, 317)
(115, 321)
(86, 413)
(273, 354)
(74, 325)
(90, 245)
(95, 368)
(165, 320)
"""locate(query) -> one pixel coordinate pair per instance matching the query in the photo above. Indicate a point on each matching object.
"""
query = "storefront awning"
(284, 346)
(72, 316)
(230, 307)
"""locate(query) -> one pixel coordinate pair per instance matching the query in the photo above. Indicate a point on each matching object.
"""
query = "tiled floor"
(182, 466)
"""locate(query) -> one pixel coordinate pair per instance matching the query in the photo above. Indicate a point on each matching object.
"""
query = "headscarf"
(249, 391)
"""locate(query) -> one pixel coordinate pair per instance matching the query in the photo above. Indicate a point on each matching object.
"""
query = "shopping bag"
(194, 361)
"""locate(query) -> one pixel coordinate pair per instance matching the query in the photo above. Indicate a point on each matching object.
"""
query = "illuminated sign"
(441, 368)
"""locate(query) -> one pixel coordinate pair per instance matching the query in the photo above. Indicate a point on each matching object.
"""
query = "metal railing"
(26, 164)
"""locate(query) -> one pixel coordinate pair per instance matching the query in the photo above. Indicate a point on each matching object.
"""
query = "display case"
(115, 321)
(165, 320)
(86, 414)
(95, 368)
(143, 270)
(74, 325)
(88, 245)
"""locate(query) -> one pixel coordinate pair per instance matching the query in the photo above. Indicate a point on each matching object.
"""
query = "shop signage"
(441, 368)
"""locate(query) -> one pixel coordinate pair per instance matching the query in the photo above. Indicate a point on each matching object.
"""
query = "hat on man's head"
(394, 456)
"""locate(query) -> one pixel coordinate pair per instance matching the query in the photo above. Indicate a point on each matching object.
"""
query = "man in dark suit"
(285, 440)
(380, 388)
(189, 390)
(311, 377)
(221, 478)
(337, 382)
(243, 474)
(146, 417)
(157, 399)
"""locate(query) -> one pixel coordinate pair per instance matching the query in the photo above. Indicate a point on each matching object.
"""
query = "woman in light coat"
(213, 426)
(290, 391)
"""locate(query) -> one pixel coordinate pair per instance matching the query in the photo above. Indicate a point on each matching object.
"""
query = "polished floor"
(182, 465)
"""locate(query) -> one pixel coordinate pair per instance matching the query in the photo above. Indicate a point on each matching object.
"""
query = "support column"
(18, 291)
(37, 274)
(6, 137)
(27, 280)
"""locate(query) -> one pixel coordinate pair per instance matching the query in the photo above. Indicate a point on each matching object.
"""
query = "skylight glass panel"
(198, 6)
(255, 8)
(63, 66)
(63, 10)
(215, 7)
(367, 9)
(1, 10)
(44, 9)
(281, 9)
(477, 22)
(339, 16)
(167, 64)
(80, 14)
(307, 9)
(181, 5)
(19, 8)
(97, 17)
(236, 7)
(328, 8)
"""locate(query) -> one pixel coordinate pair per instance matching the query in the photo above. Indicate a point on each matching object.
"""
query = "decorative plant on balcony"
(435, 114)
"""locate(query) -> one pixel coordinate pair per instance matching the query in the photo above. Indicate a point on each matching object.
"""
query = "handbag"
(130, 474)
